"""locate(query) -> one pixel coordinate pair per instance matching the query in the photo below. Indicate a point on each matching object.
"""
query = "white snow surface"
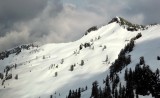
(36, 76)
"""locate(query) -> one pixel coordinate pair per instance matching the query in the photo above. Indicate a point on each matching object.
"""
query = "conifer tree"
(95, 89)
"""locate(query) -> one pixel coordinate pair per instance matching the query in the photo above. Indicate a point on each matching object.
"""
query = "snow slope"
(36, 67)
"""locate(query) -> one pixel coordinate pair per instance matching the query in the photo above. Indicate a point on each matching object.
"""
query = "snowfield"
(36, 67)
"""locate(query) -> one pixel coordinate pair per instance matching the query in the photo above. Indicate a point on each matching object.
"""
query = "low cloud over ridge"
(27, 21)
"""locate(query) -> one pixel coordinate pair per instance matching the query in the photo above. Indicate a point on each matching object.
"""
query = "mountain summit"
(126, 24)
(118, 60)
(122, 22)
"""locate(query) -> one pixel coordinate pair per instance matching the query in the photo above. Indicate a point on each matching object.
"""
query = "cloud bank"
(46, 21)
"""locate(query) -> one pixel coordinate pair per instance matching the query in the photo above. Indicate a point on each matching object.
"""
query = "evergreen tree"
(142, 60)
(137, 96)
(56, 74)
(107, 81)
(116, 93)
(82, 62)
(86, 87)
(70, 94)
(79, 93)
(120, 91)
(16, 77)
(62, 60)
(71, 68)
(123, 92)
(106, 58)
(157, 73)
(100, 93)
(95, 89)
(126, 74)
(80, 47)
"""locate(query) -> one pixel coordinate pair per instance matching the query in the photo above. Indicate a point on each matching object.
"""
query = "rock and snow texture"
(47, 70)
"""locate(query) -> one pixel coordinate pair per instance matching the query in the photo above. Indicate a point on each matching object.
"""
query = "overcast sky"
(46, 21)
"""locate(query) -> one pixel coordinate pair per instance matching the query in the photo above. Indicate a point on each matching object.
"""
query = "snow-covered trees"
(80, 46)
(82, 62)
(9, 76)
(93, 28)
(1, 76)
(16, 77)
(16, 50)
(56, 73)
(71, 68)
(143, 80)
(74, 94)
(62, 61)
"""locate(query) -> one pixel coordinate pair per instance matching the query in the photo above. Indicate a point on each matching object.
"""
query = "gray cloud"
(57, 22)
(136, 11)
(12, 11)
(27, 21)
(69, 24)
(147, 8)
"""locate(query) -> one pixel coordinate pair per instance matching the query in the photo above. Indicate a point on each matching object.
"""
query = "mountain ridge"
(116, 19)
(52, 70)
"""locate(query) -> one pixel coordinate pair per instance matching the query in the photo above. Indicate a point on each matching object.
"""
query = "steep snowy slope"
(54, 69)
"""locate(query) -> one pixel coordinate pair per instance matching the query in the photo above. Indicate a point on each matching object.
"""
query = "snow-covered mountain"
(52, 70)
